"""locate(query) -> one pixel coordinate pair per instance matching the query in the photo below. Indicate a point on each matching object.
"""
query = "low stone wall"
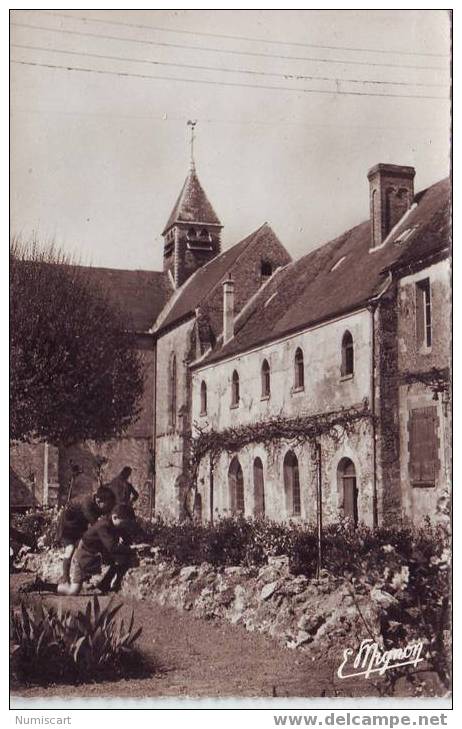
(321, 616)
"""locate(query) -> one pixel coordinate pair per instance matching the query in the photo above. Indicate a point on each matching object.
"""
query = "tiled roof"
(200, 285)
(139, 295)
(192, 205)
(341, 275)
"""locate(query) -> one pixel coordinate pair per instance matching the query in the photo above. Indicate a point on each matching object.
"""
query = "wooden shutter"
(423, 446)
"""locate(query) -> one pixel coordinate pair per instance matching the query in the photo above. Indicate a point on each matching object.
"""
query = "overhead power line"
(226, 83)
(251, 72)
(167, 117)
(226, 36)
(255, 54)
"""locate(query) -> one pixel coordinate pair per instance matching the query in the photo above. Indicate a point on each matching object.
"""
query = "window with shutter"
(423, 446)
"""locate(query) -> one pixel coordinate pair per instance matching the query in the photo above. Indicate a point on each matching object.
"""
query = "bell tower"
(192, 234)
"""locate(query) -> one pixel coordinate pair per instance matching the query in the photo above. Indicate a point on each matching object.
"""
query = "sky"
(98, 158)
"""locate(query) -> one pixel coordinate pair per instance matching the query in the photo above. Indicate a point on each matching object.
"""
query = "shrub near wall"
(402, 571)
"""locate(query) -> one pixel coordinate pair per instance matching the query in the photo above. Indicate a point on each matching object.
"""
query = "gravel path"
(196, 657)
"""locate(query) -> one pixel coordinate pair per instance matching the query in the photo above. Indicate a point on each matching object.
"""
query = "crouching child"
(75, 520)
(103, 542)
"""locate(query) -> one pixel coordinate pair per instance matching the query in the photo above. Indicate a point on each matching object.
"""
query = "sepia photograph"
(230, 287)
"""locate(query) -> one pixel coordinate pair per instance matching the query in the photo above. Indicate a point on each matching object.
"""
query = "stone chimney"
(391, 192)
(228, 309)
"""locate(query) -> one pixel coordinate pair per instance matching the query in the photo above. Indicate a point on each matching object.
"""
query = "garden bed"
(389, 585)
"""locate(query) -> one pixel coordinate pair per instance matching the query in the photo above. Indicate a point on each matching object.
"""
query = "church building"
(272, 385)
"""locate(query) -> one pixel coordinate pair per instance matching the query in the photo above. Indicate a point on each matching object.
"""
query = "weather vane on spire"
(192, 123)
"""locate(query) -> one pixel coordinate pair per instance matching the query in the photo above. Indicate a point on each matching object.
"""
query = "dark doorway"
(346, 473)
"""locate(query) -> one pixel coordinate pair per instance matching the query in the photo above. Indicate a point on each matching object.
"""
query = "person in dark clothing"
(75, 520)
(122, 489)
(102, 542)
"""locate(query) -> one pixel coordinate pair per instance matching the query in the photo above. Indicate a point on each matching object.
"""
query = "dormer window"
(266, 270)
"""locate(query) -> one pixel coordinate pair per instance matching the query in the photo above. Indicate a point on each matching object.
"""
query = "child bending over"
(75, 520)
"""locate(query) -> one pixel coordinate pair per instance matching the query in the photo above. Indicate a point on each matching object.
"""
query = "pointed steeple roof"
(192, 205)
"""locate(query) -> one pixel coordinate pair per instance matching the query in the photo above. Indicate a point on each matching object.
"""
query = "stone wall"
(120, 452)
(411, 356)
(357, 446)
(27, 462)
(419, 502)
(34, 474)
(325, 389)
(246, 273)
(315, 615)
(170, 440)
(389, 506)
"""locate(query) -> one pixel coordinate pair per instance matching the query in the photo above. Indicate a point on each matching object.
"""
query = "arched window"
(265, 379)
(347, 355)
(292, 484)
(235, 389)
(203, 398)
(266, 269)
(346, 478)
(299, 373)
(204, 234)
(236, 487)
(172, 405)
(191, 233)
(258, 488)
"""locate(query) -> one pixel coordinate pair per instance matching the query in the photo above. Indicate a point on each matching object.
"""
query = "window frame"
(235, 390)
(423, 314)
(299, 370)
(203, 398)
(347, 367)
(265, 374)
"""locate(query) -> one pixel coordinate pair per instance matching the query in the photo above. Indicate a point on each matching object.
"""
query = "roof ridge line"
(259, 291)
(163, 315)
(252, 238)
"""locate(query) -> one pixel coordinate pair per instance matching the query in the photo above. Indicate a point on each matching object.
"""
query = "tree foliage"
(74, 372)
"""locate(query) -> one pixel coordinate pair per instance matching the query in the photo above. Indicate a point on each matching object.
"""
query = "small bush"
(35, 523)
(56, 646)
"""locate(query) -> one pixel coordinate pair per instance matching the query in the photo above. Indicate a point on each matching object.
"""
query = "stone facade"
(325, 389)
(183, 341)
(344, 308)
(420, 501)
(172, 432)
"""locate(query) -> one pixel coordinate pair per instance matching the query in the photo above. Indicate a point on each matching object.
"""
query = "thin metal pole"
(211, 491)
(319, 506)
